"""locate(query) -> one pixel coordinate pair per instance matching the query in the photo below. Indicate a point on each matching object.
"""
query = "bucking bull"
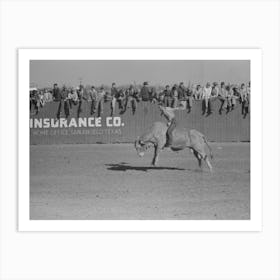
(156, 137)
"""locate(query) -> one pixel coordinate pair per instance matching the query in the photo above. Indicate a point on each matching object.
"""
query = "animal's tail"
(209, 147)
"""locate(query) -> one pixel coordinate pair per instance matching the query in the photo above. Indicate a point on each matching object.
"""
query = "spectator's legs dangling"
(79, 108)
(66, 109)
(113, 106)
(93, 107)
(190, 102)
(59, 109)
(209, 107)
(205, 106)
(101, 106)
(133, 105)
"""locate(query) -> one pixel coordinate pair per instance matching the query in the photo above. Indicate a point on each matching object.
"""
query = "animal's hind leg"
(208, 163)
(199, 158)
(155, 158)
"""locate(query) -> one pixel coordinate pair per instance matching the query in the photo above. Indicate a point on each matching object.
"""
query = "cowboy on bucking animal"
(169, 114)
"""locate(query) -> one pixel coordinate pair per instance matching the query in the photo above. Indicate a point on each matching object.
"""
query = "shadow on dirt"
(125, 167)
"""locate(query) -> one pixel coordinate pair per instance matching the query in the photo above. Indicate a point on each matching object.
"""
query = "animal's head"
(140, 147)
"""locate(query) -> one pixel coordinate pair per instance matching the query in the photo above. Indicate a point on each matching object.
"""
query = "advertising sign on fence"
(46, 128)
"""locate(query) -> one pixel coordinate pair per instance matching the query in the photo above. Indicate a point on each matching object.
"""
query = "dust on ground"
(109, 181)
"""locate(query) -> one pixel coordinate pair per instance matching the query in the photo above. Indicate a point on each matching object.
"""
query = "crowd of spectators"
(124, 98)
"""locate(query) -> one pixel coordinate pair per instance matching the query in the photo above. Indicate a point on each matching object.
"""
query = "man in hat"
(145, 92)
(167, 99)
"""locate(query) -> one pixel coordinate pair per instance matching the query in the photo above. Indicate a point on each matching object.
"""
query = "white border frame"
(254, 224)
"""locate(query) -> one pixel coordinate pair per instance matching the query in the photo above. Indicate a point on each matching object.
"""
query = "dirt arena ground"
(109, 181)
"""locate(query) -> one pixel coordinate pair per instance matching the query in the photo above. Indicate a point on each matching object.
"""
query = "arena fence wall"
(126, 127)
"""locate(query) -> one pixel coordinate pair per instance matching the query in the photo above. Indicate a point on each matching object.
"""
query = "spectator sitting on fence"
(72, 97)
(160, 96)
(63, 101)
(215, 90)
(200, 90)
(81, 98)
(56, 93)
(137, 94)
(131, 99)
(145, 92)
(114, 96)
(231, 98)
(181, 95)
(107, 97)
(236, 92)
(174, 96)
(93, 99)
(206, 103)
(167, 100)
(42, 100)
(249, 88)
(189, 98)
(100, 100)
(122, 100)
(244, 96)
(34, 100)
(196, 92)
(193, 90)
(47, 95)
(223, 96)
(153, 95)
